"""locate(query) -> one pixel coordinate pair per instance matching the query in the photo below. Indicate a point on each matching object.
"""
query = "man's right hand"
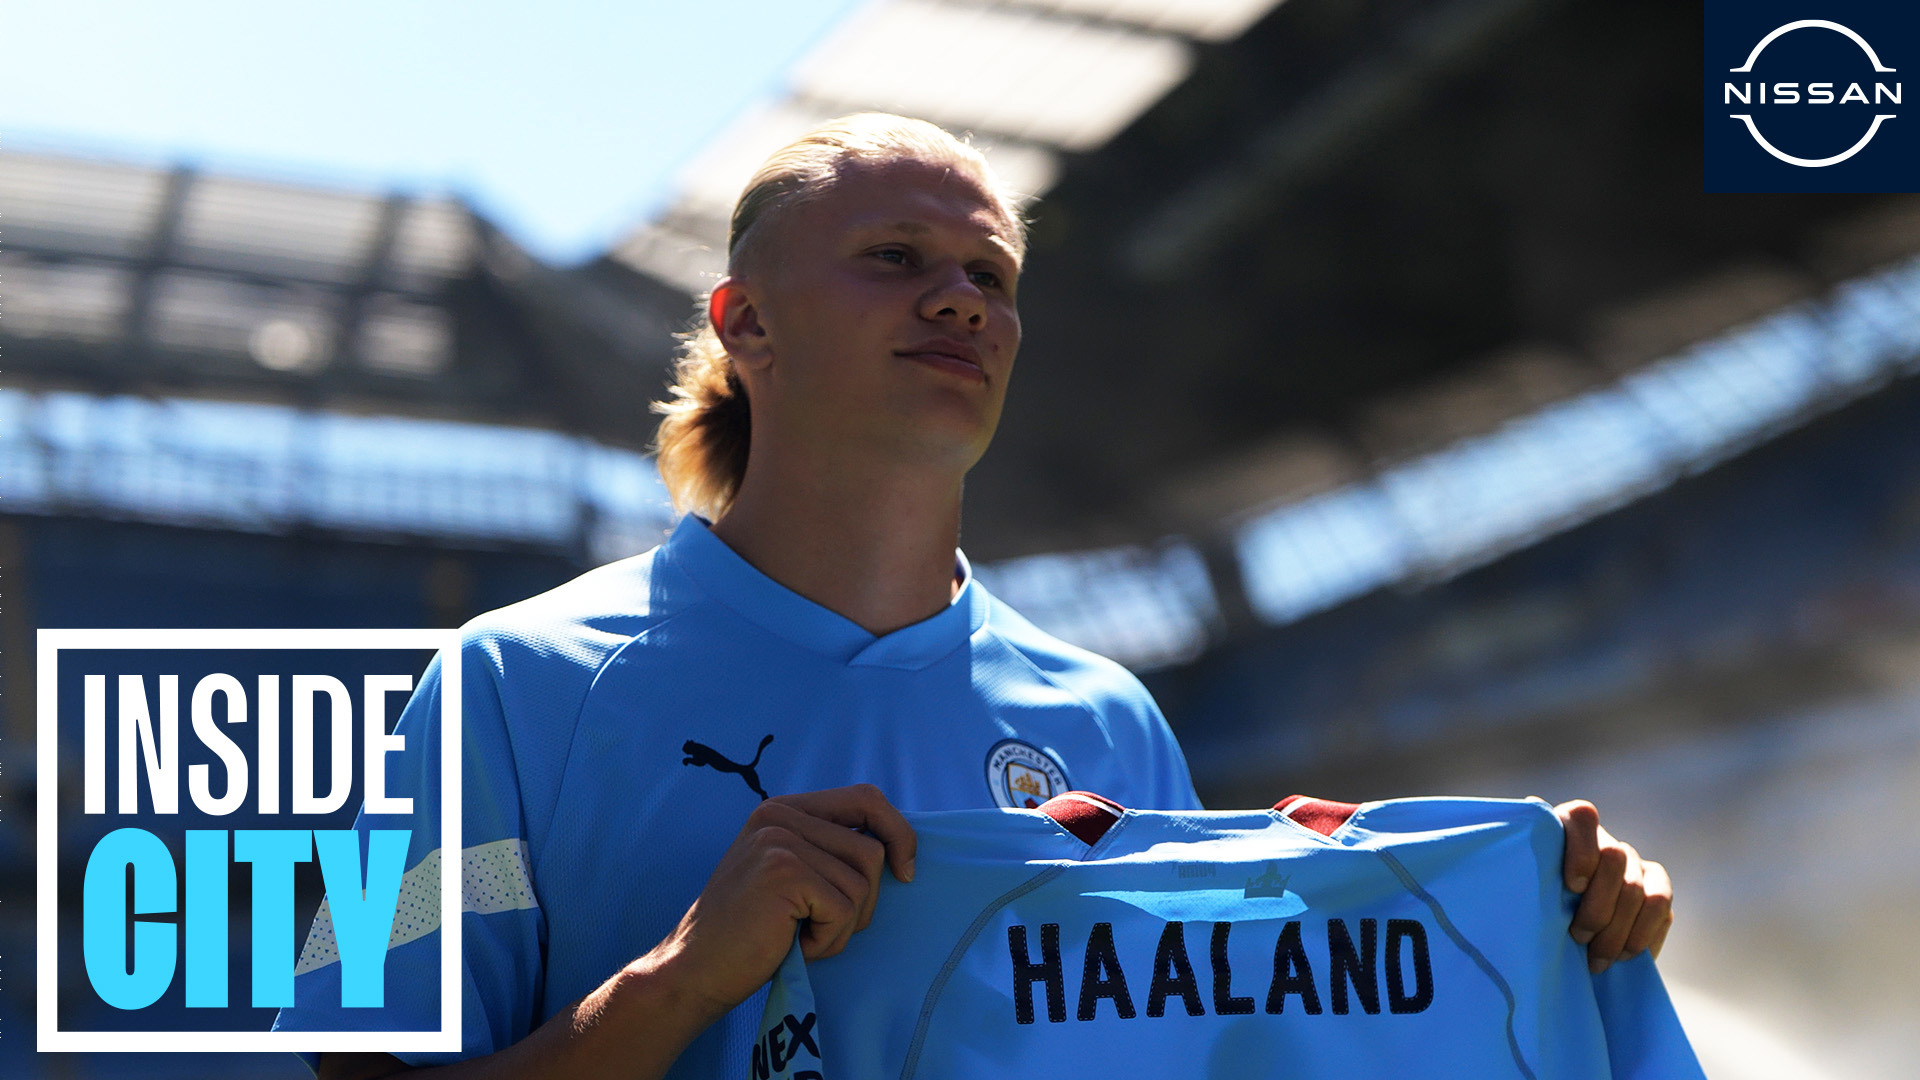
(811, 861)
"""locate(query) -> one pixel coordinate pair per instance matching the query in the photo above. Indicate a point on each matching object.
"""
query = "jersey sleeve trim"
(493, 878)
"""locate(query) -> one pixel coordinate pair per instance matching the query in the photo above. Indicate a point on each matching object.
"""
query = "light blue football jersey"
(1408, 938)
(618, 730)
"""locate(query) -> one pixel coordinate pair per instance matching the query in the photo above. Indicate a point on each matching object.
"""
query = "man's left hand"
(1626, 902)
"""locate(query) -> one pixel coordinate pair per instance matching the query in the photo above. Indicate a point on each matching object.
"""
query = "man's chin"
(942, 439)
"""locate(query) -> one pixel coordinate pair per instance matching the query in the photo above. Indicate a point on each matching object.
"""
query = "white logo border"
(49, 1038)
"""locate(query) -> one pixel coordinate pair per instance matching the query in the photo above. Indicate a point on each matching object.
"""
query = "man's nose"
(955, 296)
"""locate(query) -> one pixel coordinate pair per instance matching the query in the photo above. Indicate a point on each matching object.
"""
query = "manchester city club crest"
(1022, 775)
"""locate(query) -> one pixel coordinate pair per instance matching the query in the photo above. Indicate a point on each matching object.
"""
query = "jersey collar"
(735, 583)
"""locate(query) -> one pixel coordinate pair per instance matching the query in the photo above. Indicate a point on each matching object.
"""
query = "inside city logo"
(1809, 101)
(206, 796)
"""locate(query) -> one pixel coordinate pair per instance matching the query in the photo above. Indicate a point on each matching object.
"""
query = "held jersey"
(1408, 938)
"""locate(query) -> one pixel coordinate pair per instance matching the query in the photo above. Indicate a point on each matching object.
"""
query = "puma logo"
(699, 754)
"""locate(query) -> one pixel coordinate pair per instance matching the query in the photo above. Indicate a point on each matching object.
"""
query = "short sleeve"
(502, 927)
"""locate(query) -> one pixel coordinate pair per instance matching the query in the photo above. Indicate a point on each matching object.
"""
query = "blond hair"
(706, 429)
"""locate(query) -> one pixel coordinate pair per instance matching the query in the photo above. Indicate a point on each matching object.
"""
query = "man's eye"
(892, 255)
(986, 279)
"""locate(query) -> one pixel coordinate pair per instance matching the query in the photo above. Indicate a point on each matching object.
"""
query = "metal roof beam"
(353, 307)
(162, 239)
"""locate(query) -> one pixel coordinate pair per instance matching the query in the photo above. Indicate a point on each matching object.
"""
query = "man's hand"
(811, 861)
(799, 861)
(1626, 902)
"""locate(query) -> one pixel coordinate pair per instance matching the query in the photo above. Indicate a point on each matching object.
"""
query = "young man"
(821, 631)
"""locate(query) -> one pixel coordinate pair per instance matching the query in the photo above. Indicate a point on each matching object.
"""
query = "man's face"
(885, 316)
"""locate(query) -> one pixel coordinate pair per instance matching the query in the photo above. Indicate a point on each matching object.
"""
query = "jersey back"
(1415, 937)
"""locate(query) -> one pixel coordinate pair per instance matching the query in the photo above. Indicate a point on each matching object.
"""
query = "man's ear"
(736, 319)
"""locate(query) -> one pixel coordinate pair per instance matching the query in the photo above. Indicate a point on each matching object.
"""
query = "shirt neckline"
(732, 581)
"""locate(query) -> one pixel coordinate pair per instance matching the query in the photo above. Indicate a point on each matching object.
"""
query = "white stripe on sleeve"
(493, 878)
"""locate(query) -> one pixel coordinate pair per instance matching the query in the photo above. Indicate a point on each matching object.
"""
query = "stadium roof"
(139, 280)
(1524, 476)
(1029, 80)
(104, 253)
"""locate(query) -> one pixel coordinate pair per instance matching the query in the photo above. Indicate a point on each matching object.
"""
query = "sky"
(563, 122)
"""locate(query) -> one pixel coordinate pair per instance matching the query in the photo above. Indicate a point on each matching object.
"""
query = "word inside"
(1820, 93)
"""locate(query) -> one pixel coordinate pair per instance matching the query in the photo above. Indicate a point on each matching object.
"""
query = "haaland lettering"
(1857, 99)
(146, 730)
(1349, 970)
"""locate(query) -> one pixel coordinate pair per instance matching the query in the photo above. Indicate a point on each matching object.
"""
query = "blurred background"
(1392, 400)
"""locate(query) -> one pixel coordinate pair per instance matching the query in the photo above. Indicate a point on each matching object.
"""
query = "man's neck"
(873, 544)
